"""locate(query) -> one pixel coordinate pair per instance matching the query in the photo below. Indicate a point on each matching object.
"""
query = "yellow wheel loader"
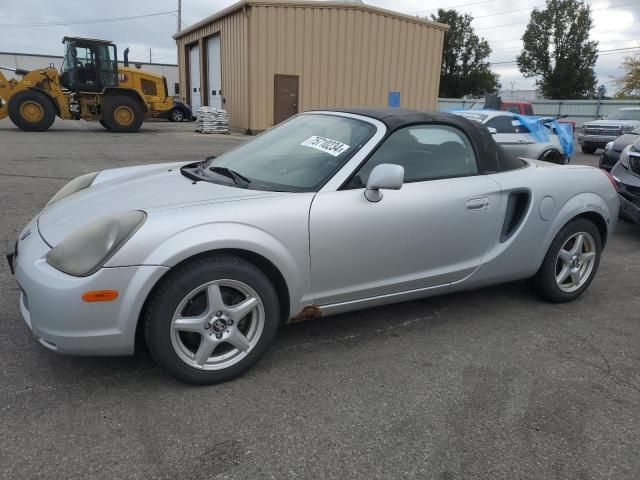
(89, 86)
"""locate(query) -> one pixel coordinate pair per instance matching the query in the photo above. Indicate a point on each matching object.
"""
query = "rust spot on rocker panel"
(307, 313)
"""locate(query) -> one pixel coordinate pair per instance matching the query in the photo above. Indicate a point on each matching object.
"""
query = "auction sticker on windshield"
(326, 145)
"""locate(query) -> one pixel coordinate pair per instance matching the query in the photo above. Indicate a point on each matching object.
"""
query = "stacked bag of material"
(212, 120)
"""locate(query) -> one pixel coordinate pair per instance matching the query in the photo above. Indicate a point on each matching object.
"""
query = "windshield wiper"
(237, 178)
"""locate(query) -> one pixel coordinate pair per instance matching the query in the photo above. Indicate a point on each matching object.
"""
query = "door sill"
(351, 305)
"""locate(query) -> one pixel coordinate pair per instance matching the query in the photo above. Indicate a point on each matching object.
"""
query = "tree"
(557, 50)
(601, 92)
(465, 69)
(629, 84)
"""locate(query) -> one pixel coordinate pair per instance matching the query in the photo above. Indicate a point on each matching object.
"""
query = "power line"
(453, 6)
(601, 52)
(80, 22)
(524, 23)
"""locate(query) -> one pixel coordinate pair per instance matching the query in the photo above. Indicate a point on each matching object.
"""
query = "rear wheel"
(176, 115)
(31, 111)
(571, 262)
(211, 319)
(553, 156)
(589, 149)
(122, 114)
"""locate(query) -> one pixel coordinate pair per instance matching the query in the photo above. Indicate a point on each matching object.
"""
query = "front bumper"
(52, 307)
(596, 140)
(628, 193)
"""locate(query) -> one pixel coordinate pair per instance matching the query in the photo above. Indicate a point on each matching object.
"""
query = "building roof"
(306, 3)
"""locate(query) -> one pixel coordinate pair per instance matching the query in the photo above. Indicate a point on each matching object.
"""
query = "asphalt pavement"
(489, 384)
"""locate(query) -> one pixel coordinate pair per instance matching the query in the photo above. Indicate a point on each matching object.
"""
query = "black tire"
(177, 115)
(31, 111)
(101, 122)
(589, 149)
(553, 156)
(544, 282)
(177, 285)
(122, 114)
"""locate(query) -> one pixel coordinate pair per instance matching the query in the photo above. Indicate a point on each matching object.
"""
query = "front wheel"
(589, 149)
(571, 262)
(211, 319)
(31, 111)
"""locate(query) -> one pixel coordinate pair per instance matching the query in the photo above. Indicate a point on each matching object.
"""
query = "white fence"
(578, 110)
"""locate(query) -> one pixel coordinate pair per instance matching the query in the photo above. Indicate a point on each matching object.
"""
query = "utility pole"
(179, 15)
(150, 61)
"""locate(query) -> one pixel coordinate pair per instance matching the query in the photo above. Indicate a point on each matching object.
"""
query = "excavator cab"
(89, 65)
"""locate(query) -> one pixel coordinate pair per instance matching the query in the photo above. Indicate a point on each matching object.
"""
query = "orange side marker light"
(100, 295)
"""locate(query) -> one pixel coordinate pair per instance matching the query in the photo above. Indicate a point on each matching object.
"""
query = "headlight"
(584, 129)
(624, 156)
(608, 147)
(627, 128)
(87, 249)
(75, 185)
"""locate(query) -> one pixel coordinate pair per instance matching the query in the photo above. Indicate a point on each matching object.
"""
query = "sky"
(501, 22)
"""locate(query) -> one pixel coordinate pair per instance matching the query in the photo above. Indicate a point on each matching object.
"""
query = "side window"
(502, 124)
(528, 110)
(513, 109)
(427, 152)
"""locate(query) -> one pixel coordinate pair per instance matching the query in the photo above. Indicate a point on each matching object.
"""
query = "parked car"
(509, 132)
(328, 212)
(626, 174)
(611, 153)
(180, 112)
(598, 133)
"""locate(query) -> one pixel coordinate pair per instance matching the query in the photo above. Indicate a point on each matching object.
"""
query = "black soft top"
(491, 156)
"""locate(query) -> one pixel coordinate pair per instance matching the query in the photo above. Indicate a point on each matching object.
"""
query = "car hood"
(624, 140)
(148, 188)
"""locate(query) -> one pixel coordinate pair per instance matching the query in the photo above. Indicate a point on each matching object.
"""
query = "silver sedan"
(510, 133)
(328, 212)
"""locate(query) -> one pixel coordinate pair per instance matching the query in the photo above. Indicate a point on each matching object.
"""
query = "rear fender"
(580, 204)
(130, 92)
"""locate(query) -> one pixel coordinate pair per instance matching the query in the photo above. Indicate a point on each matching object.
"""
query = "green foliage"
(465, 69)
(601, 92)
(557, 50)
(629, 84)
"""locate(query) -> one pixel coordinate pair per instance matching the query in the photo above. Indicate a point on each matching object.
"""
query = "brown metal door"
(285, 100)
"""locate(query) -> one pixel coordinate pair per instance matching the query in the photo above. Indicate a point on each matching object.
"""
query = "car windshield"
(625, 115)
(298, 155)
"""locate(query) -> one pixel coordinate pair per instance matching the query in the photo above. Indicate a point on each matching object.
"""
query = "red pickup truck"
(526, 108)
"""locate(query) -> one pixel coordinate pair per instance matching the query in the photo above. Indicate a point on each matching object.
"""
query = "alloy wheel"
(575, 261)
(217, 324)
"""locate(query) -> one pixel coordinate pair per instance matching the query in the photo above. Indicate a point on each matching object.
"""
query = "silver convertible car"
(328, 212)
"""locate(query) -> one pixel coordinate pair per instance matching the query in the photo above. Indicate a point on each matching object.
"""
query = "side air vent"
(517, 206)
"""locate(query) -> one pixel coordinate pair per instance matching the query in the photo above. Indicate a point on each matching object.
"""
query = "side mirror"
(384, 176)
(492, 130)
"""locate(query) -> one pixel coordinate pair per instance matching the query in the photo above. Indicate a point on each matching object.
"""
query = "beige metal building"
(265, 60)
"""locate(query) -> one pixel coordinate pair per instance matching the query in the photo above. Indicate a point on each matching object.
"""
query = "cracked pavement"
(491, 383)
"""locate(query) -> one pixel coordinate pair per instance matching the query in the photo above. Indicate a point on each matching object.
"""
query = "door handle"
(477, 204)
